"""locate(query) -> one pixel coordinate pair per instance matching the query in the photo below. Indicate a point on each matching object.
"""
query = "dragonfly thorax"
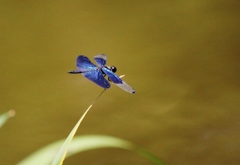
(112, 68)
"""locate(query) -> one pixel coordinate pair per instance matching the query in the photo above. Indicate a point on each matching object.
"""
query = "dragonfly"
(97, 73)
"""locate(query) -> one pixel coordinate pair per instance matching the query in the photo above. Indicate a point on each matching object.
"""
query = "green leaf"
(5, 116)
(45, 155)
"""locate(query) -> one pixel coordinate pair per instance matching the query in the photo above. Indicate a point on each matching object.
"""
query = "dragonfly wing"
(126, 87)
(113, 77)
(117, 81)
(100, 59)
(91, 71)
(84, 64)
(97, 77)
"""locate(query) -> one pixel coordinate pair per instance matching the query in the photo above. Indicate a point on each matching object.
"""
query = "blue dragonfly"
(97, 73)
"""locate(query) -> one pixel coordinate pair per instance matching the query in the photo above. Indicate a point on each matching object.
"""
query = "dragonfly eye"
(113, 69)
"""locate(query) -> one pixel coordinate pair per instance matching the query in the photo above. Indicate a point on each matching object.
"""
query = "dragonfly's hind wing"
(97, 77)
(84, 64)
(91, 71)
(100, 59)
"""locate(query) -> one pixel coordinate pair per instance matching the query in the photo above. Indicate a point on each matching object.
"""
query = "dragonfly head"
(113, 69)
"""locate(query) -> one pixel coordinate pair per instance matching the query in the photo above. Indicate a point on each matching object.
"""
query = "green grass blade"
(58, 160)
(5, 116)
(83, 143)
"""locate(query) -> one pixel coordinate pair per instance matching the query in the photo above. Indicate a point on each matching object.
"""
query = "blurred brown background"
(181, 57)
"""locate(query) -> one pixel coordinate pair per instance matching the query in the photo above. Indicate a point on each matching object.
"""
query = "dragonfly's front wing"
(117, 81)
(126, 87)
